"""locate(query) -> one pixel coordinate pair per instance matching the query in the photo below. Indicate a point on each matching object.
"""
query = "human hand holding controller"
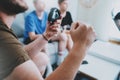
(53, 16)
(54, 22)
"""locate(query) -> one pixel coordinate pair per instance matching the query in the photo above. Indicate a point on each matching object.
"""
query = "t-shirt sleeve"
(70, 18)
(29, 24)
(12, 53)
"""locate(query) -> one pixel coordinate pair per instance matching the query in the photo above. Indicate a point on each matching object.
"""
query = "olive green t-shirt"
(12, 53)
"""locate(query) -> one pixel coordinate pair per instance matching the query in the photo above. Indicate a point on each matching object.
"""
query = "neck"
(62, 11)
(39, 13)
(6, 19)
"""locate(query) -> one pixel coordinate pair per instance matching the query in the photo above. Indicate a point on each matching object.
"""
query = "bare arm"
(68, 69)
(33, 36)
(82, 37)
(36, 45)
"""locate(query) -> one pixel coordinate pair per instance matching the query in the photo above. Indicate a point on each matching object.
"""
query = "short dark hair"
(60, 1)
(10, 7)
(3, 3)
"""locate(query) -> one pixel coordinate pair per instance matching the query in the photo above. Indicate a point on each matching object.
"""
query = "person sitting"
(15, 64)
(66, 15)
(66, 20)
(65, 41)
(35, 25)
(35, 22)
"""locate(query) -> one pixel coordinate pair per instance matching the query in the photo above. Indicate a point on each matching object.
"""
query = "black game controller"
(54, 15)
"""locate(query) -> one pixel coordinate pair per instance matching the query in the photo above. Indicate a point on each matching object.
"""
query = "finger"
(48, 23)
(81, 24)
(59, 21)
(77, 25)
(55, 29)
(91, 29)
(82, 27)
(52, 33)
(73, 26)
(54, 26)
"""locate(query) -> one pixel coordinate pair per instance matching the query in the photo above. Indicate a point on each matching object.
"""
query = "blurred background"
(98, 15)
(103, 59)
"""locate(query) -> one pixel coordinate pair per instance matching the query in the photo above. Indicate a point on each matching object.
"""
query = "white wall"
(100, 17)
(73, 8)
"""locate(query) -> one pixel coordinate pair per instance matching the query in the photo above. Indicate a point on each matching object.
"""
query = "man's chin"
(17, 12)
(21, 9)
(25, 6)
(13, 8)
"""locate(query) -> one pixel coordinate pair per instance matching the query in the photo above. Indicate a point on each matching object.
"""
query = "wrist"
(80, 49)
(77, 54)
(47, 36)
(80, 46)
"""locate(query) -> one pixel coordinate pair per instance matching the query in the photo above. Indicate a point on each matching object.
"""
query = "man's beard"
(11, 7)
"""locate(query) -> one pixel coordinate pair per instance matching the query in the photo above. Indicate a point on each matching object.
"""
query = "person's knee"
(25, 71)
(41, 59)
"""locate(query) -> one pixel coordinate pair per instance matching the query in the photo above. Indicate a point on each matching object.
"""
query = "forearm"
(33, 36)
(68, 69)
(36, 45)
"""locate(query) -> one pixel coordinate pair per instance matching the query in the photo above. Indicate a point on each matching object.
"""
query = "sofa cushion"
(18, 25)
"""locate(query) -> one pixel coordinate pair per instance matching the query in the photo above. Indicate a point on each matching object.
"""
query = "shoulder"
(46, 13)
(31, 15)
(68, 13)
(5, 32)
(9, 41)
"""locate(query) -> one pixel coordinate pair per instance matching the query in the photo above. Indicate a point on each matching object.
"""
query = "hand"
(82, 35)
(52, 30)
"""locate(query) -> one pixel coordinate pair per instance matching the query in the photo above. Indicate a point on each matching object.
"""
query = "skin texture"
(82, 37)
(81, 44)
